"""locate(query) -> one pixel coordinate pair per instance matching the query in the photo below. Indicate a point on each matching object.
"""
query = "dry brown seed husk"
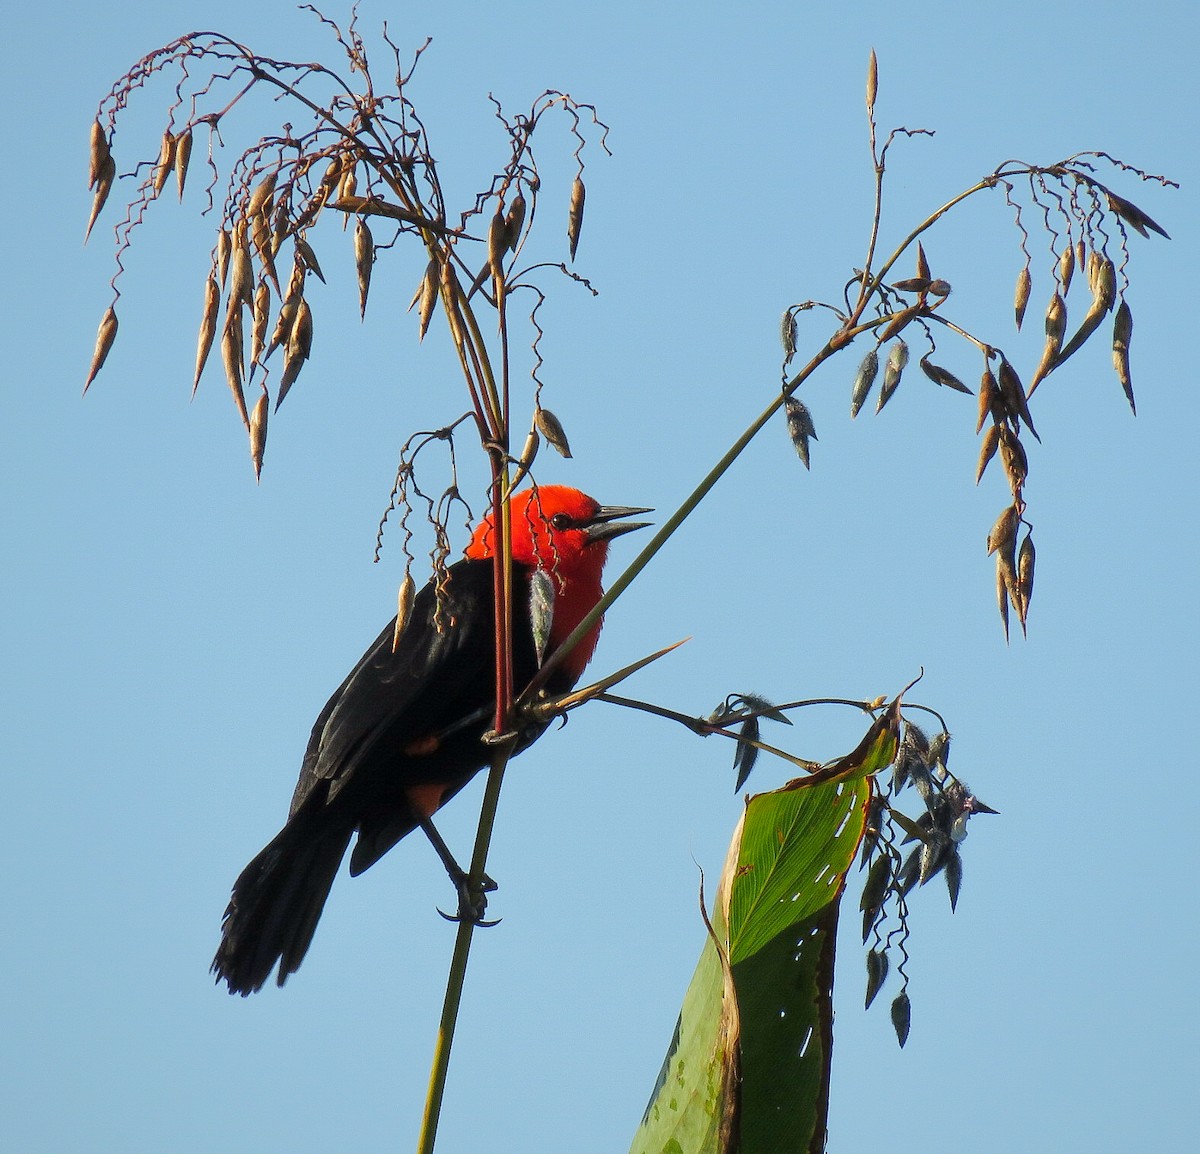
(941, 376)
(98, 152)
(262, 314)
(1013, 394)
(364, 260)
(1003, 537)
(1056, 324)
(166, 162)
(1002, 594)
(291, 370)
(208, 327)
(868, 369)
(497, 245)
(575, 214)
(428, 295)
(1066, 267)
(1122, 334)
(987, 450)
(922, 263)
(300, 339)
(872, 81)
(231, 354)
(104, 182)
(261, 196)
(241, 271)
(224, 248)
(515, 221)
(989, 397)
(258, 432)
(1016, 463)
(308, 258)
(105, 335)
(404, 603)
(551, 428)
(1025, 563)
(183, 156)
(899, 322)
(1021, 295)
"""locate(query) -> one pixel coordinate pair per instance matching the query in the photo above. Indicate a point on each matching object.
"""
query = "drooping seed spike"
(1103, 282)
(868, 369)
(1056, 326)
(166, 162)
(497, 245)
(872, 82)
(261, 315)
(241, 271)
(300, 338)
(364, 259)
(575, 214)
(987, 450)
(1026, 558)
(258, 433)
(514, 221)
(1122, 333)
(404, 604)
(208, 327)
(1080, 255)
(105, 335)
(1021, 295)
(1066, 268)
(989, 398)
(800, 427)
(787, 335)
(308, 258)
(104, 181)
(232, 356)
(264, 245)
(427, 297)
(260, 198)
(551, 428)
(1013, 394)
(98, 152)
(943, 377)
(1134, 216)
(897, 358)
(1002, 538)
(901, 1017)
(183, 157)
(1012, 454)
(224, 250)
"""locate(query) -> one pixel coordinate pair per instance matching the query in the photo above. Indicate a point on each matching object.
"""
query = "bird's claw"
(472, 902)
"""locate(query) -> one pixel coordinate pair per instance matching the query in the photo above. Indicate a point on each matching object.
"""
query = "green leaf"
(748, 1068)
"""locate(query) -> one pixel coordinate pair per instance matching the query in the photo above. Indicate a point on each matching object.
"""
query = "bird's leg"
(472, 899)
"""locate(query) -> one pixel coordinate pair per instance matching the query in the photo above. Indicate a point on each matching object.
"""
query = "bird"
(407, 729)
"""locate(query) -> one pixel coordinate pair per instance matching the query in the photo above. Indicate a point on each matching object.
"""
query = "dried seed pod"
(1013, 394)
(98, 152)
(990, 402)
(1025, 562)
(260, 199)
(1002, 594)
(922, 263)
(877, 970)
(1133, 216)
(913, 284)
(241, 271)
(575, 214)
(541, 610)
(800, 426)
(863, 380)
(497, 246)
(105, 335)
(551, 428)
(787, 334)
(872, 82)
(1002, 539)
(261, 315)
(1056, 326)
(348, 183)
(1080, 255)
(1066, 267)
(426, 297)
(1095, 260)
(901, 1017)
(1104, 282)
(166, 162)
(899, 322)
(224, 250)
(105, 176)
(308, 258)
(1021, 295)
(1016, 463)
(943, 377)
(183, 157)
(231, 354)
(940, 288)
(258, 433)
(1122, 332)
(404, 603)
(364, 259)
(528, 454)
(515, 221)
(300, 339)
(208, 327)
(987, 451)
(896, 360)
(264, 245)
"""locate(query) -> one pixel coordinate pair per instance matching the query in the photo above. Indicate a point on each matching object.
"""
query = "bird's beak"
(604, 526)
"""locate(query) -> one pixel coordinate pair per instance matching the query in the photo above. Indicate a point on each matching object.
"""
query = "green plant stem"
(458, 960)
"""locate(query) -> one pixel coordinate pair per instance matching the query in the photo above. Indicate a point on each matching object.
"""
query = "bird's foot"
(472, 901)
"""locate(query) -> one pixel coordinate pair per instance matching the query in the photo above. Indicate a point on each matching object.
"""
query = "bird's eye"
(560, 521)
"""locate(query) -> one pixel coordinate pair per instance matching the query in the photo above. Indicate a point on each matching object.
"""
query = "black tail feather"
(276, 904)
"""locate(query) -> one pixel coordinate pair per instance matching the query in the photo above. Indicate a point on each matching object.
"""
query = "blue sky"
(174, 629)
